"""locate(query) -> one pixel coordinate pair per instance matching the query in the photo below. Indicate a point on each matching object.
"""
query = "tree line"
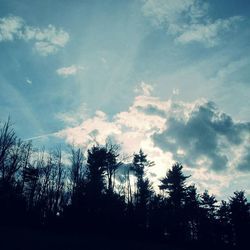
(102, 192)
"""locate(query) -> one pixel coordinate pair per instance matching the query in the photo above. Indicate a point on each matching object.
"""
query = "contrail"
(41, 136)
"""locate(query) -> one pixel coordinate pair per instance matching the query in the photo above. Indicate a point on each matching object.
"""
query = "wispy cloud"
(10, 28)
(176, 91)
(46, 40)
(231, 67)
(69, 71)
(188, 20)
(73, 118)
(28, 81)
(207, 33)
(144, 89)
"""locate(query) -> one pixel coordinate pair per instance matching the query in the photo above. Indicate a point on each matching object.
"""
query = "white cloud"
(46, 40)
(188, 20)
(214, 182)
(97, 127)
(28, 81)
(176, 91)
(208, 142)
(208, 33)
(10, 27)
(144, 89)
(45, 48)
(68, 71)
(75, 117)
(169, 12)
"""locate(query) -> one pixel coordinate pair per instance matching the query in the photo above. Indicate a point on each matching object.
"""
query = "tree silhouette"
(192, 210)
(240, 218)
(77, 173)
(30, 179)
(13, 157)
(143, 187)
(112, 164)
(96, 166)
(224, 223)
(208, 219)
(174, 185)
(97, 196)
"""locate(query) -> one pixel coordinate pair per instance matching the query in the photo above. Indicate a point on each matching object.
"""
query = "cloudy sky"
(168, 76)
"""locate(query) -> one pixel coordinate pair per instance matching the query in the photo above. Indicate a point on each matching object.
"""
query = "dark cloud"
(206, 133)
(245, 162)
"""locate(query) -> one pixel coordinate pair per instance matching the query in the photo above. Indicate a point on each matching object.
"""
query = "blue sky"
(169, 76)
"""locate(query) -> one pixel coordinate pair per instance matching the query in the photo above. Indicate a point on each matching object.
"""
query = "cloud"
(230, 68)
(207, 33)
(188, 20)
(28, 81)
(97, 128)
(194, 133)
(205, 136)
(245, 161)
(169, 12)
(46, 40)
(144, 89)
(210, 144)
(204, 179)
(176, 91)
(10, 28)
(73, 118)
(68, 71)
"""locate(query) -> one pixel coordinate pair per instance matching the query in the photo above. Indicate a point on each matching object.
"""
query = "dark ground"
(37, 239)
(21, 238)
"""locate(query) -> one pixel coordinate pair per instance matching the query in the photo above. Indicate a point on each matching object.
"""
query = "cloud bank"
(46, 41)
(213, 146)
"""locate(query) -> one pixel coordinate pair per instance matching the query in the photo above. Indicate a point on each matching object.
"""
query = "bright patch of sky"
(170, 76)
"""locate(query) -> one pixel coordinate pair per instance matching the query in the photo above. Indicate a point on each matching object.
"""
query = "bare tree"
(14, 153)
(77, 171)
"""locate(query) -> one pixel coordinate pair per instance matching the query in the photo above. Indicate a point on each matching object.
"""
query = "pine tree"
(240, 218)
(174, 184)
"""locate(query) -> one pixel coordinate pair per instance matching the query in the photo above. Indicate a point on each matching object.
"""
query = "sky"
(169, 76)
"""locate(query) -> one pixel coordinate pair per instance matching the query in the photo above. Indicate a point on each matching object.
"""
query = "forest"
(101, 199)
